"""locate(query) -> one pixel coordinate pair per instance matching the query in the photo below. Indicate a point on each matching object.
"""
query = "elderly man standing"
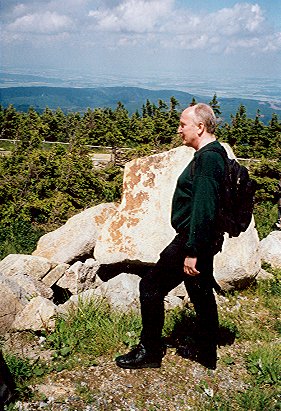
(189, 257)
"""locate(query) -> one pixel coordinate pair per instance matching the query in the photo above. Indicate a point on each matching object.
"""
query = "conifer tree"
(193, 102)
(215, 106)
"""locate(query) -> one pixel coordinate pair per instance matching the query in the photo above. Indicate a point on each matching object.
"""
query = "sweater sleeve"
(208, 176)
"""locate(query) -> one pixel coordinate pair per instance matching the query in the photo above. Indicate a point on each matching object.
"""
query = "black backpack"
(237, 198)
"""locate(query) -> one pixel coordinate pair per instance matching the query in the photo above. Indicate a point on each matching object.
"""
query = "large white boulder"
(270, 248)
(77, 237)
(239, 262)
(141, 228)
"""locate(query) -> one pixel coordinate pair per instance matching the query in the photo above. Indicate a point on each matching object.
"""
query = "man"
(189, 257)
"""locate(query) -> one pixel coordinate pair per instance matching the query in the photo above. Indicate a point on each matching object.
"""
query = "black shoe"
(140, 357)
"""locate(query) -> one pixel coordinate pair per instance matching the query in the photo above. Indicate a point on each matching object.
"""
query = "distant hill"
(79, 99)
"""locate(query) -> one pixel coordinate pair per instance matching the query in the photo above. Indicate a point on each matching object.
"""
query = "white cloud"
(272, 43)
(241, 18)
(137, 16)
(227, 30)
(143, 23)
(48, 22)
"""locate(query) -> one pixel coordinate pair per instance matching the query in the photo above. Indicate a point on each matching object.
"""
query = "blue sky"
(143, 37)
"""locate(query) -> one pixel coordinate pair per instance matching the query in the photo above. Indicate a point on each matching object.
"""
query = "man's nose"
(179, 129)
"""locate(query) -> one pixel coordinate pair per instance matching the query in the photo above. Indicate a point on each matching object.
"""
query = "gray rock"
(171, 302)
(80, 276)
(264, 275)
(74, 300)
(16, 291)
(13, 298)
(179, 291)
(270, 249)
(122, 293)
(38, 314)
(31, 286)
(76, 238)
(239, 262)
(19, 282)
(36, 267)
(55, 274)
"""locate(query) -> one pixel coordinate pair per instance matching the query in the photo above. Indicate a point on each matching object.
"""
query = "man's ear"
(201, 128)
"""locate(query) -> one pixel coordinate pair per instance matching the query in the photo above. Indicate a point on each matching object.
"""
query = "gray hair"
(204, 113)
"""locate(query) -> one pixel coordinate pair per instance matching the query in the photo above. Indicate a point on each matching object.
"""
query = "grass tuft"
(93, 328)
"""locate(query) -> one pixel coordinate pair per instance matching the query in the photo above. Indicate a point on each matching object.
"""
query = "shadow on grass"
(192, 343)
(185, 331)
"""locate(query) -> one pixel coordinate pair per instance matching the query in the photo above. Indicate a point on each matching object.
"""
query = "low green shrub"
(18, 237)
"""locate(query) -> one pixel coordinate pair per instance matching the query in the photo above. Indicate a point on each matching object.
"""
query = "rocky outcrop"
(21, 290)
(122, 293)
(124, 242)
(27, 271)
(19, 283)
(270, 249)
(77, 238)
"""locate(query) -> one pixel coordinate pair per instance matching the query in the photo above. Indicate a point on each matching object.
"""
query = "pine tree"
(193, 102)
(215, 106)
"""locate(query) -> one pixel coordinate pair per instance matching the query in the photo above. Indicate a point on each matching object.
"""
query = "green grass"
(24, 371)
(94, 330)
(265, 215)
(265, 365)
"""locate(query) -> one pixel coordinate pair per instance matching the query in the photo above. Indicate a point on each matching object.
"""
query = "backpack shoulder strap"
(222, 152)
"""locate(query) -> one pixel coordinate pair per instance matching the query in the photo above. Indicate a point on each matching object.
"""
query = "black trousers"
(166, 275)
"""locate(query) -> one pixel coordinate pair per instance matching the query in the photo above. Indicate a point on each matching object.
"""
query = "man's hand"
(189, 266)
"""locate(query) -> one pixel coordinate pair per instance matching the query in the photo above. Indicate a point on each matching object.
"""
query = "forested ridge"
(76, 99)
(41, 186)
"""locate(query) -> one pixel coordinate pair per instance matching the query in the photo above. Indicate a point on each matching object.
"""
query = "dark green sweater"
(196, 200)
